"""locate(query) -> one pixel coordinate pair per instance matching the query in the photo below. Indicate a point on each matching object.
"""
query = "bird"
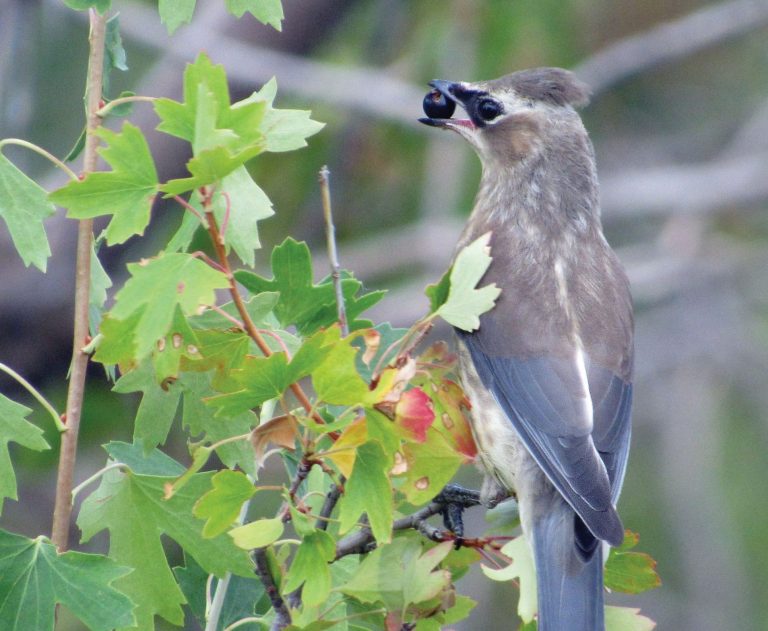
(549, 370)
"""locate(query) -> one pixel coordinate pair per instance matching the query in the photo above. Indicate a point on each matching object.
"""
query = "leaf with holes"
(430, 466)
(156, 287)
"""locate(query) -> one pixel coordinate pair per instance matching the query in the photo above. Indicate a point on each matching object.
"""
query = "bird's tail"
(569, 573)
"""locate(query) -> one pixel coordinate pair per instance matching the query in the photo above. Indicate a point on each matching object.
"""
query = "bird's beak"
(456, 92)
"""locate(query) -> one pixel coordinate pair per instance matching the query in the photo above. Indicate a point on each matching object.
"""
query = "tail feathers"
(569, 582)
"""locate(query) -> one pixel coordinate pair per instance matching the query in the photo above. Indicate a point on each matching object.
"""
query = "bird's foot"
(455, 500)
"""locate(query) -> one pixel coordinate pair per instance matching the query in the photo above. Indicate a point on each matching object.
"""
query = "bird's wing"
(549, 401)
(612, 404)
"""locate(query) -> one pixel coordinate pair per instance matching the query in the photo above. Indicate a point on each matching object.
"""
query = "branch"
(282, 615)
(363, 540)
(250, 65)
(250, 327)
(331, 499)
(63, 507)
(333, 257)
(39, 150)
(671, 41)
(35, 393)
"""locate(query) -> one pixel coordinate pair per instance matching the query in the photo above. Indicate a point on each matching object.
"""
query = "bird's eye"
(437, 106)
(488, 109)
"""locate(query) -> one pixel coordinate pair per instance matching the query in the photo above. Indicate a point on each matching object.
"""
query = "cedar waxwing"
(549, 371)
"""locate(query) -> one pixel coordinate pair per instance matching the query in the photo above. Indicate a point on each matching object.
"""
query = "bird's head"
(512, 118)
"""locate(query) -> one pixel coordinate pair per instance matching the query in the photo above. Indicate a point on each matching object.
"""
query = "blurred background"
(679, 119)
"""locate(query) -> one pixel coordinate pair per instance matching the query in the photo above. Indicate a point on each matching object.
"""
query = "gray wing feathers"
(541, 398)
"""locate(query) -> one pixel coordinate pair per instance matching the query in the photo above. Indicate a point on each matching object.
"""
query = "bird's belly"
(501, 453)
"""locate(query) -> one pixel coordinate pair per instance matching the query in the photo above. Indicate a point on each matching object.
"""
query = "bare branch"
(672, 41)
(282, 615)
(333, 257)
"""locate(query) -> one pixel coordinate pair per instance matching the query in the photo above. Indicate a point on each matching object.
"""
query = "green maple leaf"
(461, 304)
(337, 380)
(174, 13)
(303, 303)
(284, 130)
(34, 577)
(258, 533)
(431, 465)
(248, 204)
(310, 567)
(630, 572)
(156, 287)
(157, 408)
(102, 6)
(100, 282)
(126, 193)
(23, 206)
(178, 119)
(300, 299)
(132, 507)
(626, 619)
(221, 505)
(265, 11)
(264, 378)
(368, 491)
(522, 569)
(208, 167)
(199, 419)
(15, 428)
(400, 573)
(223, 136)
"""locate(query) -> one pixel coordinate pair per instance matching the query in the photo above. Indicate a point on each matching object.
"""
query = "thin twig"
(333, 257)
(134, 98)
(331, 499)
(96, 476)
(39, 150)
(40, 398)
(670, 41)
(63, 507)
(250, 327)
(282, 615)
(187, 206)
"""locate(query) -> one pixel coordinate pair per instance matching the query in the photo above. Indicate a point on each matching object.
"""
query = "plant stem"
(41, 399)
(63, 507)
(135, 98)
(333, 257)
(250, 327)
(96, 476)
(39, 150)
(282, 614)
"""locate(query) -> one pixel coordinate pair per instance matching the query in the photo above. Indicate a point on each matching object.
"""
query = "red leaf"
(414, 413)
